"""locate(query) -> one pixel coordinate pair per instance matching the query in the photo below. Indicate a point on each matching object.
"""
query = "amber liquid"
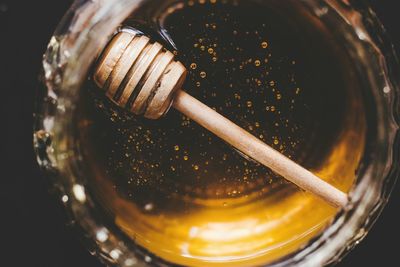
(188, 197)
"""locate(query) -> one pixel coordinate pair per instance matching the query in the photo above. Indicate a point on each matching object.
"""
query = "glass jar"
(79, 39)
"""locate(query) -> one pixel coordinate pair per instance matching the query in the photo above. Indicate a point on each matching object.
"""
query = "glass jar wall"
(310, 79)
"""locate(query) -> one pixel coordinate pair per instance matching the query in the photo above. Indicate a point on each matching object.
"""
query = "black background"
(32, 229)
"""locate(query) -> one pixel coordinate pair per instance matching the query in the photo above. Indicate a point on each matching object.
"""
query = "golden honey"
(188, 197)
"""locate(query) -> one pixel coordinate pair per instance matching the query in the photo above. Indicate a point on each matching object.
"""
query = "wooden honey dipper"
(143, 77)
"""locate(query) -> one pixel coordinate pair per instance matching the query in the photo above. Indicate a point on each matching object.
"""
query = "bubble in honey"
(203, 74)
(149, 206)
(264, 45)
(193, 66)
(257, 63)
(210, 50)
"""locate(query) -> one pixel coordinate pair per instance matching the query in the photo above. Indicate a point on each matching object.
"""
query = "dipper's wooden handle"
(144, 78)
(256, 149)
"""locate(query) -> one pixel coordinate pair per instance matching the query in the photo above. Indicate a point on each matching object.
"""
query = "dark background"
(32, 229)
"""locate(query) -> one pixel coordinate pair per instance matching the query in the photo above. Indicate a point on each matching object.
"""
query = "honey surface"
(188, 197)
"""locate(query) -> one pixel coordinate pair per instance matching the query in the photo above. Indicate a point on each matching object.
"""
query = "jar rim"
(74, 41)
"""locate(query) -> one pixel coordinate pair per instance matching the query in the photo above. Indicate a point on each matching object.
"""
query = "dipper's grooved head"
(139, 75)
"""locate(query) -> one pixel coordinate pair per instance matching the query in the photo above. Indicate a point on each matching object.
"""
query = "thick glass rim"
(79, 38)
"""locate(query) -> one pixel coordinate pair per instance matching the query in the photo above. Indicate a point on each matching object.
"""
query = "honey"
(186, 196)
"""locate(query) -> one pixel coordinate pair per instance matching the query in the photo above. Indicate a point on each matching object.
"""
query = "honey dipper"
(143, 77)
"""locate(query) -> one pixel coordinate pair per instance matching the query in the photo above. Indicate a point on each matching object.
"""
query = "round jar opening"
(186, 196)
(309, 78)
